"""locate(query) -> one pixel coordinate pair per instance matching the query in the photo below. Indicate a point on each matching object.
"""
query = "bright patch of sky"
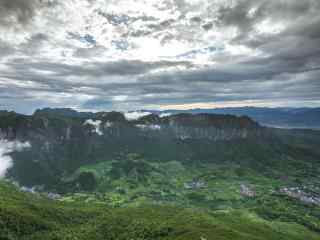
(126, 29)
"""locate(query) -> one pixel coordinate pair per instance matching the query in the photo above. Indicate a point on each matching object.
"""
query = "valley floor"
(216, 202)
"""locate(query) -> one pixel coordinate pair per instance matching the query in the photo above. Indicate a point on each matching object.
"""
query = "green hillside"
(183, 176)
(29, 216)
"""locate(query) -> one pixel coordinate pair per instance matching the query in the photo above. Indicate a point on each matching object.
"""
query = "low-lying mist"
(7, 147)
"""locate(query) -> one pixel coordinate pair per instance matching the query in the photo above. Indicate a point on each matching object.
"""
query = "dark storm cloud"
(21, 71)
(279, 66)
(92, 69)
(5, 49)
(207, 26)
(304, 13)
(205, 85)
(238, 15)
(33, 44)
(98, 103)
(21, 11)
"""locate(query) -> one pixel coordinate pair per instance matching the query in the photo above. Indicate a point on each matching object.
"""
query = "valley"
(219, 169)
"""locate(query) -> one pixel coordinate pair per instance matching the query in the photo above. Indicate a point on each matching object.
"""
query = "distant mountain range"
(75, 167)
(274, 117)
(62, 140)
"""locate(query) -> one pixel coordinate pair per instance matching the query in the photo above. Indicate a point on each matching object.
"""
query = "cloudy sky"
(134, 54)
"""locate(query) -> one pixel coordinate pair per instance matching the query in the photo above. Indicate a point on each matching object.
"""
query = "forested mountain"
(274, 117)
(217, 168)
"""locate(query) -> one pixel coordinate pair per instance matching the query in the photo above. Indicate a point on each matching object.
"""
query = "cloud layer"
(7, 147)
(128, 54)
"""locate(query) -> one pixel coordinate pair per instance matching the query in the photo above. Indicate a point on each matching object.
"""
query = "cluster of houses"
(302, 195)
(34, 190)
(246, 191)
(195, 184)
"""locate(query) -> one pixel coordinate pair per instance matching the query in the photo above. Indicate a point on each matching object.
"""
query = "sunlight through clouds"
(81, 52)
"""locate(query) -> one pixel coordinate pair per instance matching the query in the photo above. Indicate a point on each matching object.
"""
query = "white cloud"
(149, 127)
(96, 124)
(7, 147)
(165, 114)
(135, 115)
(108, 124)
(120, 98)
(269, 27)
(62, 57)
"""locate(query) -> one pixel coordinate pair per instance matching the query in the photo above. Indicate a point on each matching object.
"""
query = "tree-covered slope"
(184, 176)
(61, 143)
(30, 216)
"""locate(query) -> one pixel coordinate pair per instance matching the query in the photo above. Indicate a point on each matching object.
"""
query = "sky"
(158, 54)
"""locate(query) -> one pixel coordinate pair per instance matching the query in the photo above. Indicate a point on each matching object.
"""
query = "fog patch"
(108, 124)
(96, 124)
(135, 115)
(7, 147)
(149, 127)
(165, 115)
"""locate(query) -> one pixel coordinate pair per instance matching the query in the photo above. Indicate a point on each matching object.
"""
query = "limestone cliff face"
(62, 141)
(58, 128)
(200, 126)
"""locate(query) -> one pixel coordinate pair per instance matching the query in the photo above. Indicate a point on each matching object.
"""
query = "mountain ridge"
(61, 143)
(124, 165)
(280, 117)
